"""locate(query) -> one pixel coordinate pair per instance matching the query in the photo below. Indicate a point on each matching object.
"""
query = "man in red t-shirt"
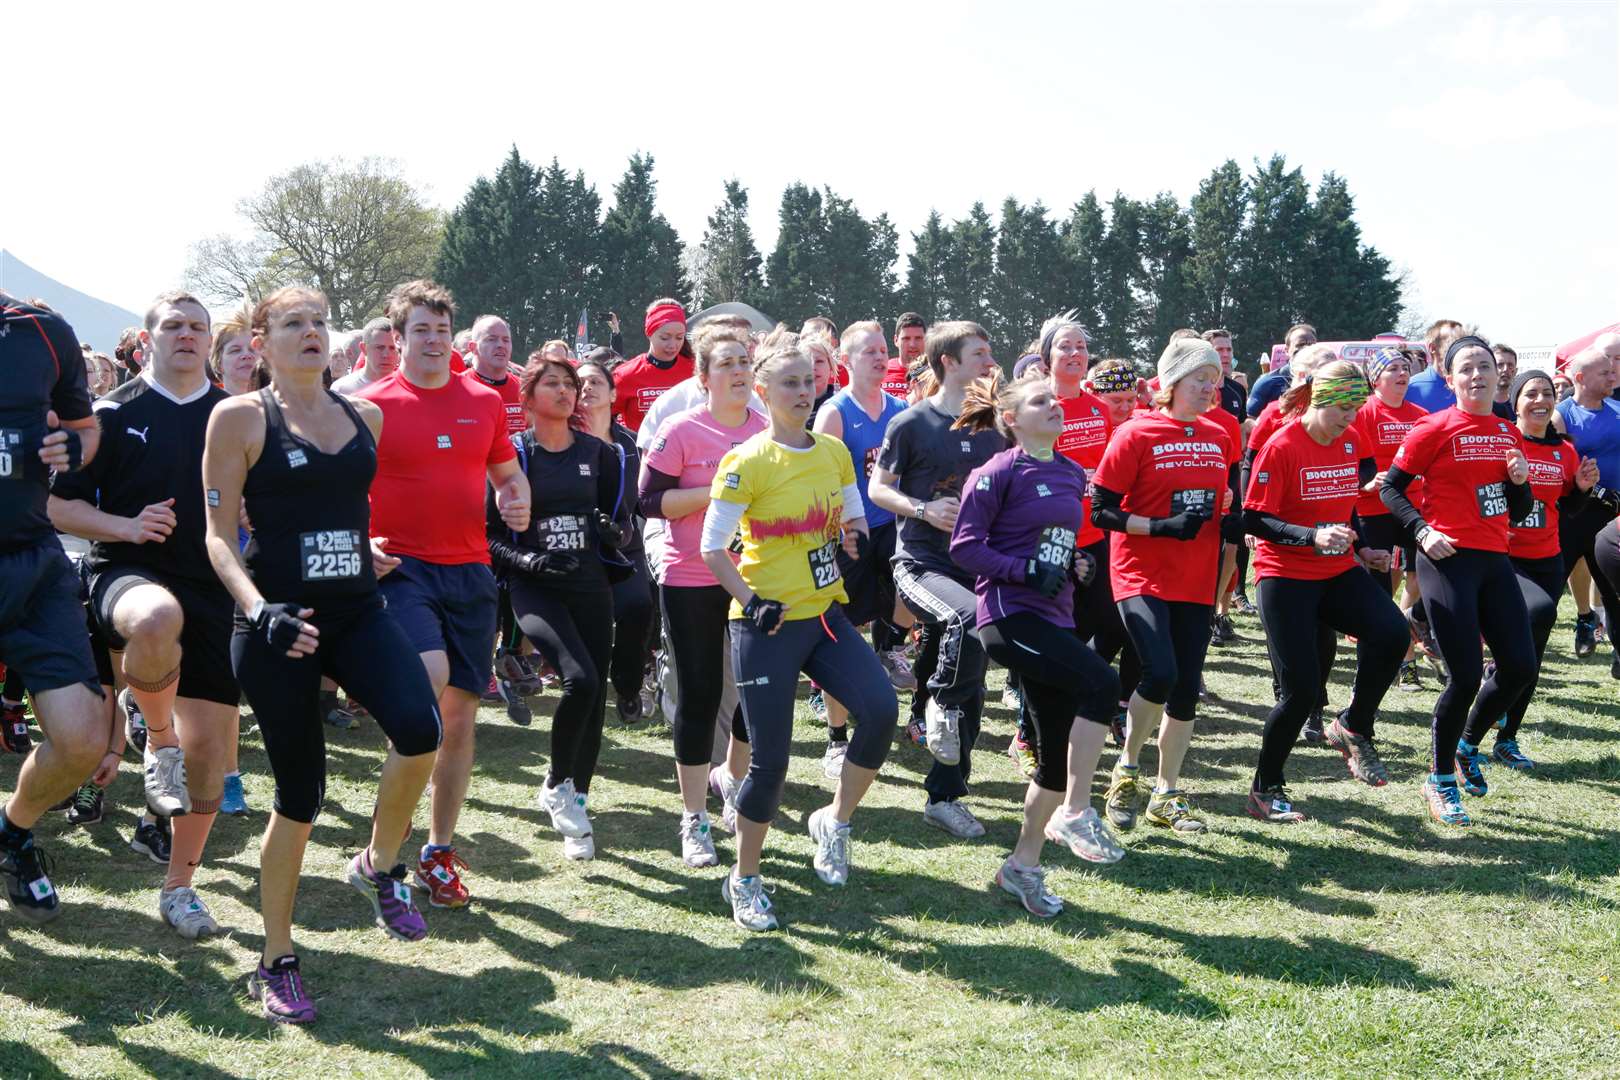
(910, 331)
(442, 436)
(491, 350)
(642, 380)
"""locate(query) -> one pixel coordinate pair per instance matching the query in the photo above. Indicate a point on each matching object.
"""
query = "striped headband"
(1113, 380)
(1343, 392)
(1382, 357)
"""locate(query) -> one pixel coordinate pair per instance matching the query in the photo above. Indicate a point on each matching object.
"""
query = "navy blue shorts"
(42, 619)
(448, 609)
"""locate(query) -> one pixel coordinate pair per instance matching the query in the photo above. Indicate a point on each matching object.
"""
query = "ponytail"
(980, 407)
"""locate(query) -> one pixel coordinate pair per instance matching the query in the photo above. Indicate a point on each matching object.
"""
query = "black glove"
(548, 564)
(279, 623)
(1232, 528)
(1044, 578)
(1182, 526)
(610, 532)
(75, 449)
(1607, 496)
(766, 614)
(863, 546)
(1083, 569)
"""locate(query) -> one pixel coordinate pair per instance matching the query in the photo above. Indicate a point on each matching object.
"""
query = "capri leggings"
(1061, 679)
(1578, 537)
(696, 617)
(832, 652)
(1469, 594)
(1350, 603)
(364, 651)
(574, 632)
(1096, 617)
(1170, 637)
(1541, 582)
(632, 623)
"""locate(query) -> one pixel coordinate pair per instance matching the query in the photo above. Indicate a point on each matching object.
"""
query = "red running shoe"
(438, 873)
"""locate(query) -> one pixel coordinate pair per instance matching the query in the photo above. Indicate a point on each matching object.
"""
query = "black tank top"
(311, 513)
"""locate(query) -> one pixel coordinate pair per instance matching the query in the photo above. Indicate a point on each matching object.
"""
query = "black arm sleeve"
(1520, 501)
(502, 551)
(1393, 493)
(1573, 501)
(616, 342)
(650, 491)
(1244, 471)
(1366, 469)
(1106, 512)
(1266, 527)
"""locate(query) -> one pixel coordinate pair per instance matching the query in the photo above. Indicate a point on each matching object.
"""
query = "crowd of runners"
(268, 517)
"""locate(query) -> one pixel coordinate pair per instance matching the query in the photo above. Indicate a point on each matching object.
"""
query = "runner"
(381, 358)
(830, 377)
(561, 591)
(1017, 531)
(920, 470)
(446, 434)
(45, 427)
(153, 593)
(300, 459)
(910, 343)
(1430, 389)
(1234, 555)
(1300, 504)
(641, 380)
(1161, 484)
(784, 492)
(1270, 386)
(1592, 419)
(1475, 474)
(676, 477)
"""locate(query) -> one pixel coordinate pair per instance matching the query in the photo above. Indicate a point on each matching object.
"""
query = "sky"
(1481, 141)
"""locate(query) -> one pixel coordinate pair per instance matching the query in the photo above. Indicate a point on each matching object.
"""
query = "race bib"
(1492, 499)
(1333, 551)
(824, 564)
(561, 532)
(1535, 519)
(11, 465)
(1193, 499)
(331, 555)
(1055, 547)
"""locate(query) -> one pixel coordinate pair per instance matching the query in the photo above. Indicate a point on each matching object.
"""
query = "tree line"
(1250, 251)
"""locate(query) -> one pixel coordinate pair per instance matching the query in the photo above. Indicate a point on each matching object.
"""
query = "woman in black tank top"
(302, 459)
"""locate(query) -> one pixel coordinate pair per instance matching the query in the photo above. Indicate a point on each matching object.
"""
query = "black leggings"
(696, 617)
(1469, 594)
(1541, 582)
(1384, 532)
(574, 632)
(1352, 603)
(1578, 537)
(364, 651)
(1170, 637)
(1060, 679)
(928, 636)
(767, 666)
(632, 623)
(1097, 619)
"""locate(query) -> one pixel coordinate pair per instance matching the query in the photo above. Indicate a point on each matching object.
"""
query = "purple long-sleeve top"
(1016, 508)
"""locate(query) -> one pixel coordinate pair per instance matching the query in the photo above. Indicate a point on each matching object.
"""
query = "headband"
(1469, 342)
(1113, 380)
(1380, 360)
(1342, 392)
(663, 315)
(1055, 325)
(1523, 379)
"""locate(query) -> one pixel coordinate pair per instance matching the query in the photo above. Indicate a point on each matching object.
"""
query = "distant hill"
(95, 321)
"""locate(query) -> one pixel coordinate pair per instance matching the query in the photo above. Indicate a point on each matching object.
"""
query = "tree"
(1167, 292)
(857, 270)
(1119, 269)
(1218, 211)
(971, 268)
(1030, 280)
(572, 251)
(641, 252)
(1271, 256)
(793, 271)
(351, 231)
(729, 260)
(490, 257)
(1079, 240)
(1351, 292)
(925, 268)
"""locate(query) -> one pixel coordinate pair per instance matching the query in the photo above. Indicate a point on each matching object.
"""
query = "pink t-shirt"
(689, 445)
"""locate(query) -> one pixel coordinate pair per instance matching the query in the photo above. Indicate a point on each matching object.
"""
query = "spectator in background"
(1270, 386)
(555, 349)
(1507, 368)
(128, 353)
(100, 374)
(1428, 390)
(1563, 385)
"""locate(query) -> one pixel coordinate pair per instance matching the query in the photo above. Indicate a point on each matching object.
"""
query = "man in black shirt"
(45, 427)
(153, 592)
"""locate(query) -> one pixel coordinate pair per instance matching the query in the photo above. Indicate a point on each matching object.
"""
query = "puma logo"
(142, 432)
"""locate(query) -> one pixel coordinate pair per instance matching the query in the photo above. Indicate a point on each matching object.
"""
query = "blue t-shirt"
(864, 436)
(1428, 390)
(1596, 434)
(1268, 388)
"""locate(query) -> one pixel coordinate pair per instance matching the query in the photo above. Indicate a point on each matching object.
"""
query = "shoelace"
(85, 798)
(291, 988)
(753, 893)
(838, 846)
(33, 863)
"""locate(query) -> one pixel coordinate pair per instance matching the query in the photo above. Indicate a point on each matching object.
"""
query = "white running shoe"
(697, 846)
(944, 727)
(956, 819)
(832, 761)
(183, 910)
(832, 847)
(750, 907)
(1029, 885)
(1086, 835)
(725, 789)
(166, 792)
(567, 809)
(579, 848)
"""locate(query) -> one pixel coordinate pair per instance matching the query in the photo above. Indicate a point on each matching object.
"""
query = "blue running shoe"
(1444, 802)
(1469, 760)
(234, 800)
(1508, 753)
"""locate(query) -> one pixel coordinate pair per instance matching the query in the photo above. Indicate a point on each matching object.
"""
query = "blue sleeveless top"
(864, 436)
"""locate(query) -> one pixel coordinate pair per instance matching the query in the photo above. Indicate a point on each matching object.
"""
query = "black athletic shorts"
(205, 634)
(41, 619)
(869, 582)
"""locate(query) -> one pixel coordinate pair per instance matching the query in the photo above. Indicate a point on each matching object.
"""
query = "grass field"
(1365, 942)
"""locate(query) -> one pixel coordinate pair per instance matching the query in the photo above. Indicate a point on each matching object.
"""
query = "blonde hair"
(1297, 398)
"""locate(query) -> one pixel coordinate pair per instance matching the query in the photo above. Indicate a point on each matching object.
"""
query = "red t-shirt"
(1163, 466)
(1266, 425)
(1234, 431)
(428, 496)
(1381, 429)
(1552, 476)
(639, 382)
(1462, 458)
(1085, 436)
(894, 379)
(511, 397)
(1300, 481)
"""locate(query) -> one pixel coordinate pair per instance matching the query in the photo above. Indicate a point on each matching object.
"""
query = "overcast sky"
(1481, 141)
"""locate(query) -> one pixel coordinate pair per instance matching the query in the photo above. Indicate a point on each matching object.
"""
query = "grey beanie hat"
(1182, 357)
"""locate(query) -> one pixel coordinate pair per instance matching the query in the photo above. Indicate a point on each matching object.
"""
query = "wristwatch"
(919, 509)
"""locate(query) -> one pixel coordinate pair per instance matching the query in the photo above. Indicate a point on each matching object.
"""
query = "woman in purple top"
(1015, 532)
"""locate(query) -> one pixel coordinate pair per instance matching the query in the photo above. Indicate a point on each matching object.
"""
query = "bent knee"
(149, 615)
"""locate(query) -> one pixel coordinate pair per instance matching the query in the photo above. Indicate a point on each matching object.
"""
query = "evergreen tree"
(730, 260)
(1079, 241)
(793, 270)
(849, 289)
(885, 279)
(1271, 257)
(971, 268)
(925, 269)
(1347, 286)
(1119, 269)
(490, 257)
(1167, 292)
(571, 253)
(1031, 279)
(1218, 211)
(641, 253)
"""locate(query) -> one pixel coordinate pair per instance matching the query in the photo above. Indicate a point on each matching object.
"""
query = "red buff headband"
(663, 315)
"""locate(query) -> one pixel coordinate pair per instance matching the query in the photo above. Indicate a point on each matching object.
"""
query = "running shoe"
(1086, 835)
(27, 871)
(134, 720)
(1585, 634)
(1313, 727)
(1126, 797)
(166, 793)
(832, 847)
(818, 704)
(750, 906)
(152, 839)
(898, 668)
(630, 707)
(182, 909)
(1023, 755)
(579, 848)
(1028, 884)
(1600, 626)
(832, 759)
(1444, 802)
(14, 735)
(1423, 636)
(234, 799)
(697, 845)
(1274, 805)
(439, 872)
(1244, 607)
(566, 808)
(390, 898)
(335, 715)
(1409, 678)
(86, 808)
(951, 816)
(517, 709)
(512, 667)
(944, 732)
(1470, 764)
(492, 692)
(917, 734)
(1221, 631)
(1011, 698)
(1359, 754)
(1116, 726)
(725, 789)
(1507, 752)
(279, 989)
(1173, 810)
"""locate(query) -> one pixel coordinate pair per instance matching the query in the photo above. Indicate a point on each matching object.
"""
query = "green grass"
(1366, 942)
